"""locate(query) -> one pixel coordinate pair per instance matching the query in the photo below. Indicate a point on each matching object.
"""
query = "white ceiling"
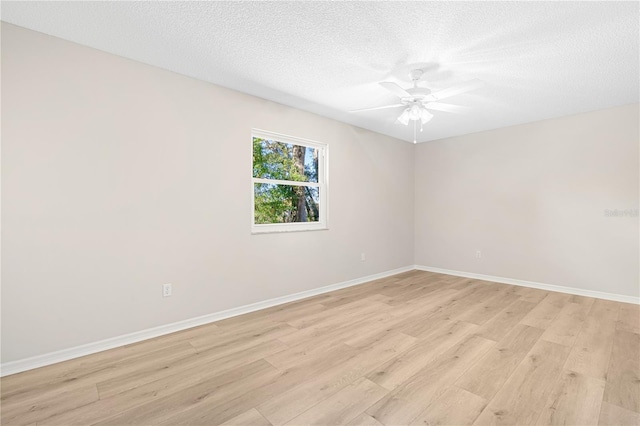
(538, 60)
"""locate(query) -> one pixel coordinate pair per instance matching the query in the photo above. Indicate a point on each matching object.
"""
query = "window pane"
(285, 203)
(284, 161)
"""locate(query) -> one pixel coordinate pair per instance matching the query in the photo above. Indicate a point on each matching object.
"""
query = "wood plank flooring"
(418, 348)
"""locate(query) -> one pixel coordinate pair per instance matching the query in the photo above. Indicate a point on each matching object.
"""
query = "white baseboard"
(114, 342)
(541, 286)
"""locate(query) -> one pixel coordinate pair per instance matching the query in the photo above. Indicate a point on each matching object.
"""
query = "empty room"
(320, 213)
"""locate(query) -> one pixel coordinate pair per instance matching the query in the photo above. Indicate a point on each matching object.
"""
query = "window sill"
(271, 229)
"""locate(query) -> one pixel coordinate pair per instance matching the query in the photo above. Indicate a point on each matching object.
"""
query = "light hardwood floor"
(417, 348)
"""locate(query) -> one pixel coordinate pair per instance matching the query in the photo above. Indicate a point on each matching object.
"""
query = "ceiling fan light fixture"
(415, 112)
(425, 116)
(404, 117)
(416, 101)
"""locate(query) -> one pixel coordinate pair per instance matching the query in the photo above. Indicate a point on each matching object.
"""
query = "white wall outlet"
(478, 254)
(363, 257)
(166, 290)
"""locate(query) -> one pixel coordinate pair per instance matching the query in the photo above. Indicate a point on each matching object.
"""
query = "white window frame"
(322, 184)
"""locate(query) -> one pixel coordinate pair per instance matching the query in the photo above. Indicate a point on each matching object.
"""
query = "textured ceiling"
(537, 59)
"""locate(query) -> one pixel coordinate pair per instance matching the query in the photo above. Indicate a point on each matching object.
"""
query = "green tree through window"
(287, 186)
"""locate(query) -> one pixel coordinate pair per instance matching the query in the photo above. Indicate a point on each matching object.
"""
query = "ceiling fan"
(417, 101)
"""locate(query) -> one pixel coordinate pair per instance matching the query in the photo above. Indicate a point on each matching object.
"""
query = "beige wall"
(118, 177)
(532, 199)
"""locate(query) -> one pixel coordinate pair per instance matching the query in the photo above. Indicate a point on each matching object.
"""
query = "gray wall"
(118, 177)
(532, 198)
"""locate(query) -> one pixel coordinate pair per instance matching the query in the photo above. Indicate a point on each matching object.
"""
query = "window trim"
(322, 185)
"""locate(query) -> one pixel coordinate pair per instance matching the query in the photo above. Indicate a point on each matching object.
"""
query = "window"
(289, 183)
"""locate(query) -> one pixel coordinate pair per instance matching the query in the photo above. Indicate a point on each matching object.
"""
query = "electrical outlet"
(478, 254)
(363, 257)
(166, 290)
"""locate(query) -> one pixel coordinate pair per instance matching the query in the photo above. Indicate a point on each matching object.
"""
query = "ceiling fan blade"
(439, 106)
(394, 88)
(374, 108)
(456, 90)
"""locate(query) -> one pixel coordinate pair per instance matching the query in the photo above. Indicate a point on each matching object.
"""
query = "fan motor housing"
(417, 94)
